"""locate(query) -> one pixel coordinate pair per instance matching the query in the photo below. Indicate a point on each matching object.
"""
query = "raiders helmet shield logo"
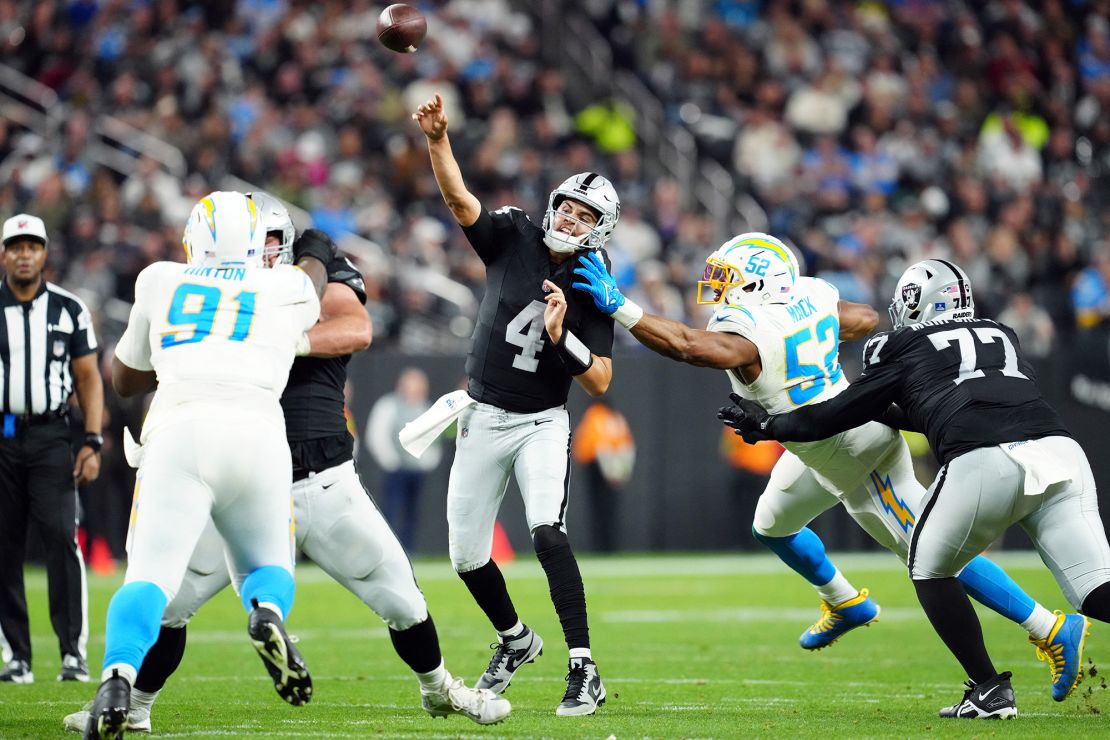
(911, 295)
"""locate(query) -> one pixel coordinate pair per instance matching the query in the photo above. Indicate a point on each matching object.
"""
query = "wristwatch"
(93, 440)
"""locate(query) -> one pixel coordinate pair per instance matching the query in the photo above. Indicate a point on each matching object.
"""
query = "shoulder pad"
(340, 270)
(511, 213)
(885, 346)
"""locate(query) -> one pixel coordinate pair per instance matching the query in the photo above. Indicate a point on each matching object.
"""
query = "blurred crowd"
(870, 134)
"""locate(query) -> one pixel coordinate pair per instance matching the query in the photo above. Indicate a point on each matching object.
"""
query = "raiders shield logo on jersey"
(911, 295)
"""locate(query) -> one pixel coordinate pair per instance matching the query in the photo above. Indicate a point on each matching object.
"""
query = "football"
(401, 28)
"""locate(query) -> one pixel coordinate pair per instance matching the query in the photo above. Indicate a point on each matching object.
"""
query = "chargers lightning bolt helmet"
(224, 228)
(749, 269)
(594, 191)
(275, 218)
(931, 290)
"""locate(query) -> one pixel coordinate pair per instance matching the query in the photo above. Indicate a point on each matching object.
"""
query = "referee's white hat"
(25, 225)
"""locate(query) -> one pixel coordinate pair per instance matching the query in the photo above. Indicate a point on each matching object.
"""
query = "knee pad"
(545, 537)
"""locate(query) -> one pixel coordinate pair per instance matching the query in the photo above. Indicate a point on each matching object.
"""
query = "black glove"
(748, 419)
(314, 243)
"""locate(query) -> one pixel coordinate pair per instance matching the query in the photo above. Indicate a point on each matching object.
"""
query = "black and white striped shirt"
(38, 339)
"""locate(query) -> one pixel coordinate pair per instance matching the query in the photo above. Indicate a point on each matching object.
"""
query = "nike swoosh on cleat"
(983, 695)
(512, 662)
(542, 421)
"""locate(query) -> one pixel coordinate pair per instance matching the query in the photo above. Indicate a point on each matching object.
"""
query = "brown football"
(401, 28)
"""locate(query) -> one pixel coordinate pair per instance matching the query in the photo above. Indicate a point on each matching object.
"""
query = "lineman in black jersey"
(335, 522)
(1006, 459)
(533, 336)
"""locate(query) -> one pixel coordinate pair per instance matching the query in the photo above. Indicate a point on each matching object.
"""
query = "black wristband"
(93, 440)
(576, 356)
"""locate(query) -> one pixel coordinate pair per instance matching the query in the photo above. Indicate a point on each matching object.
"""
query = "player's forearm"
(464, 206)
(676, 340)
(820, 420)
(857, 320)
(317, 272)
(339, 336)
(597, 378)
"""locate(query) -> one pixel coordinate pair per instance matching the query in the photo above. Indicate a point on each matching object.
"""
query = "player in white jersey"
(216, 338)
(777, 335)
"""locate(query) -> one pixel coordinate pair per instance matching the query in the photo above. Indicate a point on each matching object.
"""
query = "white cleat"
(481, 705)
(138, 720)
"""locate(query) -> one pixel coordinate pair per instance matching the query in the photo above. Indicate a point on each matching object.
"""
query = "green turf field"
(698, 646)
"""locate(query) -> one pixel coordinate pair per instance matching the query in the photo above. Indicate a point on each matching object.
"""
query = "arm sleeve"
(492, 232)
(83, 340)
(895, 418)
(864, 401)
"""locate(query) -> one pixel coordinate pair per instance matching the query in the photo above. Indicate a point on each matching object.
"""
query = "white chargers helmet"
(750, 269)
(224, 229)
(594, 191)
(275, 218)
(931, 290)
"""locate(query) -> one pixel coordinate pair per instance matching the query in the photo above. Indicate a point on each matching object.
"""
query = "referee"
(47, 350)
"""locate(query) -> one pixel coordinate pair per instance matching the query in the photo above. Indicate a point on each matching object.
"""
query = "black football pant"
(36, 482)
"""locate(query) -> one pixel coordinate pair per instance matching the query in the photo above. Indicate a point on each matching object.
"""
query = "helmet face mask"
(224, 228)
(751, 269)
(931, 290)
(592, 192)
(278, 223)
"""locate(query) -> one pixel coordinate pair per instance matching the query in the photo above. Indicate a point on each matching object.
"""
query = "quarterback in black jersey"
(1006, 459)
(533, 336)
(335, 522)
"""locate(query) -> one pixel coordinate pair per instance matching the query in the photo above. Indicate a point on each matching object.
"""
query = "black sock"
(946, 604)
(418, 646)
(487, 586)
(162, 660)
(1097, 603)
(565, 582)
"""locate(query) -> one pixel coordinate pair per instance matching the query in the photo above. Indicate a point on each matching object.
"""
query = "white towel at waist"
(418, 434)
(1043, 460)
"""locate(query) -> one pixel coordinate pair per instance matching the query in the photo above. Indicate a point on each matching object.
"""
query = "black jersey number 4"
(526, 331)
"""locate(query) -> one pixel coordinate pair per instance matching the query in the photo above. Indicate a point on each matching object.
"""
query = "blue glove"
(599, 283)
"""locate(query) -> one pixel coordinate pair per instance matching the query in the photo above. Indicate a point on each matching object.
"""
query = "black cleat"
(509, 654)
(108, 716)
(993, 699)
(585, 692)
(285, 664)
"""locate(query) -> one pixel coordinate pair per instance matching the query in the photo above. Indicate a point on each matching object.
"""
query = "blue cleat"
(836, 620)
(1063, 651)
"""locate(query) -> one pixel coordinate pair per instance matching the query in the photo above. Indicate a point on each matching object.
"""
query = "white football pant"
(225, 468)
(341, 530)
(1045, 485)
(493, 444)
(868, 469)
